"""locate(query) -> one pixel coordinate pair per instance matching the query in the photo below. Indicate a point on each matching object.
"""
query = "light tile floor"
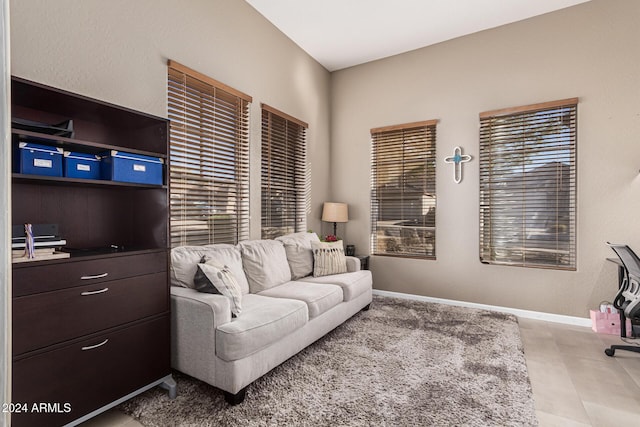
(574, 383)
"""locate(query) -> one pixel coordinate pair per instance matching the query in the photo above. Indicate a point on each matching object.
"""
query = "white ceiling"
(343, 33)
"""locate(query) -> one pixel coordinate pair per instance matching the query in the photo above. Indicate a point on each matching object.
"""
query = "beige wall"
(590, 51)
(116, 50)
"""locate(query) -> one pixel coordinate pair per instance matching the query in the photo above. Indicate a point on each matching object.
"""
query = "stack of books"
(46, 241)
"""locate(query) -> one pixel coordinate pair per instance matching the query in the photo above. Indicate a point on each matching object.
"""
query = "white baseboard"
(538, 315)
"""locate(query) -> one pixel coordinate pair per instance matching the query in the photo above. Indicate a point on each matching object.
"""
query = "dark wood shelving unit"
(100, 316)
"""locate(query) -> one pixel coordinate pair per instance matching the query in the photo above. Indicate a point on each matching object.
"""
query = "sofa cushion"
(298, 249)
(328, 258)
(265, 264)
(263, 322)
(319, 298)
(353, 284)
(185, 259)
(214, 278)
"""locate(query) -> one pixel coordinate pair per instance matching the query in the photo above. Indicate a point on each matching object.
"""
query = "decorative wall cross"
(457, 159)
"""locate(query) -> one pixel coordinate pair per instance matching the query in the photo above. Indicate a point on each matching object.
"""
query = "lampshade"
(335, 212)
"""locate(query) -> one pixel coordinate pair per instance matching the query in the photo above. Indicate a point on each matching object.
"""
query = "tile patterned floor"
(574, 383)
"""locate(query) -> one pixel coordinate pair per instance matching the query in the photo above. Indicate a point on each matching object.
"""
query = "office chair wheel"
(610, 351)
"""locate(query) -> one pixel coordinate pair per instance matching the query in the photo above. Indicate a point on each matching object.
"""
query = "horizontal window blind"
(209, 158)
(403, 190)
(528, 185)
(285, 184)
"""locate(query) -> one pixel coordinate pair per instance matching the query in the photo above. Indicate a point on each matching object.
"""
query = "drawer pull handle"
(91, 347)
(97, 276)
(101, 291)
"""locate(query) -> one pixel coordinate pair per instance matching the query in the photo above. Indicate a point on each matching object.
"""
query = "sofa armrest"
(353, 264)
(190, 303)
(194, 319)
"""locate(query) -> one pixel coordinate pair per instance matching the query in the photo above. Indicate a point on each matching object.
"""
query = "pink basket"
(607, 323)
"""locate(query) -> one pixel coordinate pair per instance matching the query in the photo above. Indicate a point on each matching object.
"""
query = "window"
(285, 184)
(403, 186)
(209, 158)
(528, 185)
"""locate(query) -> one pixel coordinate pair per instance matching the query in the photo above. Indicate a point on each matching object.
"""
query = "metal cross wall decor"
(457, 159)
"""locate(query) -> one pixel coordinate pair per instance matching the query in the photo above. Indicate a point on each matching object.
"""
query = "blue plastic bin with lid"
(81, 165)
(128, 167)
(37, 159)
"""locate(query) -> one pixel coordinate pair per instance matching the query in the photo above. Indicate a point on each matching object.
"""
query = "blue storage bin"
(128, 167)
(81, 165)
(36, 159)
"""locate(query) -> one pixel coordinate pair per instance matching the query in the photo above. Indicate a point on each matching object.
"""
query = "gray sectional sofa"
(284, 309)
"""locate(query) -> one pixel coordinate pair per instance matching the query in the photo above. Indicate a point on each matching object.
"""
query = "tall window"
(528, 185)
(209, 158)
(285, 184)
(403, 186)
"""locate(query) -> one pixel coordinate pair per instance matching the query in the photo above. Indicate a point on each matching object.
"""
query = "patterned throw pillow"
(328, 258)
(214, 278)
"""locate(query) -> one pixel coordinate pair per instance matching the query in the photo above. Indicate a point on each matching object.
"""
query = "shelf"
(88, 147)
(89, 254)
(57, 180)
(37, 96)
(97, 125)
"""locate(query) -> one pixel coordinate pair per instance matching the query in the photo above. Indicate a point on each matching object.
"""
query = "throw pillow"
(299, 254)
(214, 278)
(328, 258)
(185, 259)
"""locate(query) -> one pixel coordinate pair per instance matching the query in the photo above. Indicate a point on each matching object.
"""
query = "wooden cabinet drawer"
(91, 373)
(52, 317)
(78, 272)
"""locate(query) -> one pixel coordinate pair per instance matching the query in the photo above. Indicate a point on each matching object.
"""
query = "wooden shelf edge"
(90, 256)
(60, 180)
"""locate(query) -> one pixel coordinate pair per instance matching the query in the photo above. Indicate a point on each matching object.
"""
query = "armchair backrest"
(630, 289)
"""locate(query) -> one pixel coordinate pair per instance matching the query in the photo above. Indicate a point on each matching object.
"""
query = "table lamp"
(335, 212)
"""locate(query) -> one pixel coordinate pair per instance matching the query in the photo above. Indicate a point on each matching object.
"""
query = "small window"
(209, 159)
(403, 190)
(528, 185)
(285, 182)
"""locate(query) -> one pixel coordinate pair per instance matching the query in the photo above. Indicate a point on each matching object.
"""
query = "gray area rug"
(402, 363)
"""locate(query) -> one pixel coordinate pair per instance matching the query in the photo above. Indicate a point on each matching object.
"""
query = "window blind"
(209, 157)
(528, 185)
(285, 184)
(403, 187)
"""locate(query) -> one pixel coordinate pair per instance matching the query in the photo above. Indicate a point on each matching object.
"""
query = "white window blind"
(209, 159)
(403, 187)
(528, 185)
(285, 183)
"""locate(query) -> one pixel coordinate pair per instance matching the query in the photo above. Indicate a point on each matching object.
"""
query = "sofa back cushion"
(185, 259)
(298, 249)
(265, 264)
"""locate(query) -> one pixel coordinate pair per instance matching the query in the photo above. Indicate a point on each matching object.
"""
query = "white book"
(37, 251)
(42, 257)
(42, 244)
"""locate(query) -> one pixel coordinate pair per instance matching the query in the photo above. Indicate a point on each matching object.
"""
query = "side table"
(364, 261)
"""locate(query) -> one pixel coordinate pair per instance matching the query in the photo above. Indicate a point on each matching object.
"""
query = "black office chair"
(628, 297)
